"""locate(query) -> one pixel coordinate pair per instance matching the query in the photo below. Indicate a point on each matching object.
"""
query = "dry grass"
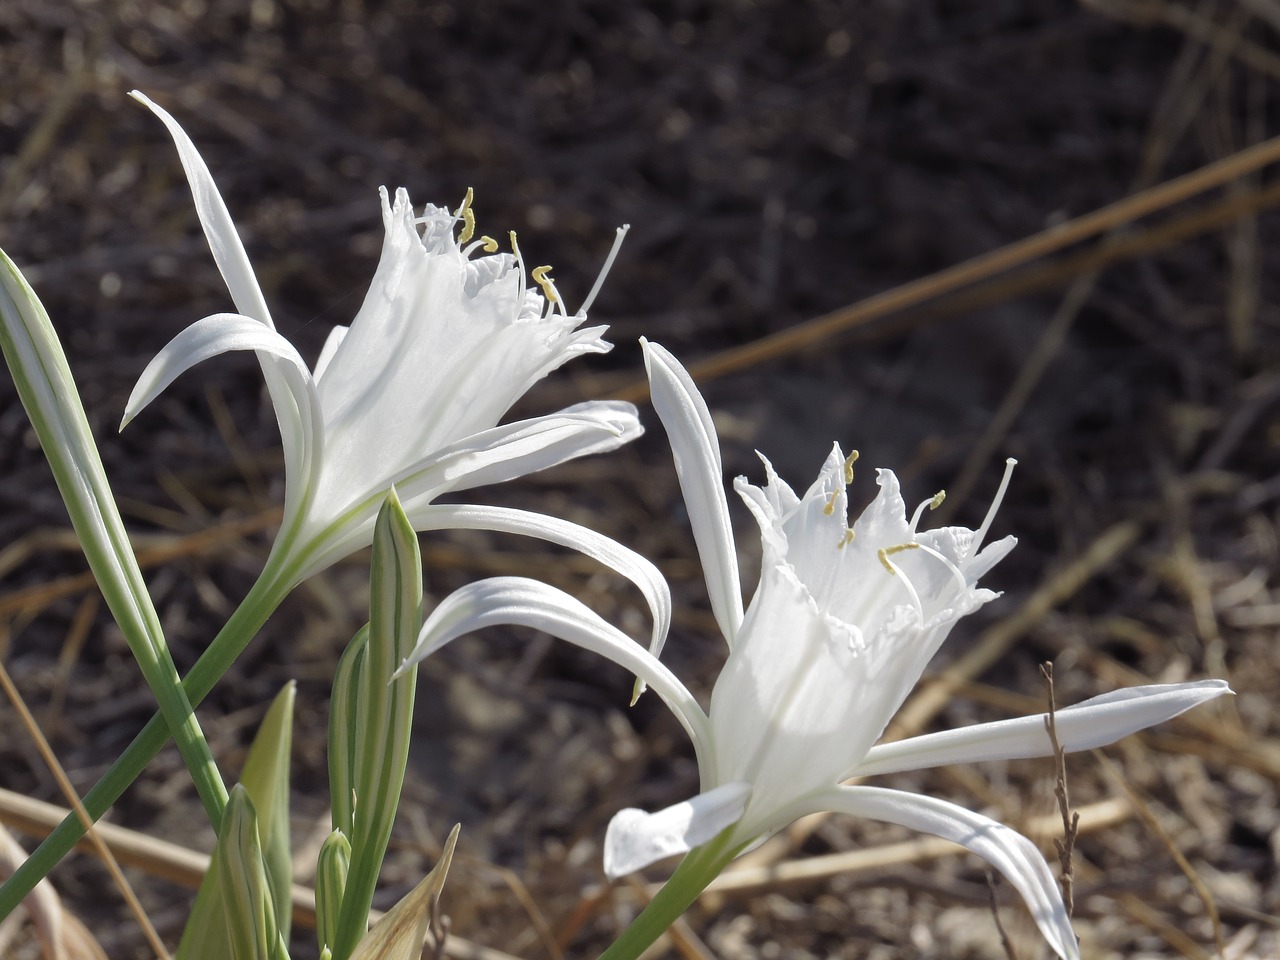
(779, 162)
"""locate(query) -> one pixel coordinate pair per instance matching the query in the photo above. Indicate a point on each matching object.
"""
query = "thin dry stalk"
(175, 863)
(978, 268)
(36, 598)
(1005, 942)
(439, 928)
(1148, 817)
(69, 791)
(1070, 821)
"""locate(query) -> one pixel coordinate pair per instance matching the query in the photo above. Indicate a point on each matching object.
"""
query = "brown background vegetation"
(777, 160)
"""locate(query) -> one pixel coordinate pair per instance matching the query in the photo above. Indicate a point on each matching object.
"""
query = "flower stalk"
(699, 867)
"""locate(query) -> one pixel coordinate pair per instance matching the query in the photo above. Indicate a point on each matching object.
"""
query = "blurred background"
(778, 161)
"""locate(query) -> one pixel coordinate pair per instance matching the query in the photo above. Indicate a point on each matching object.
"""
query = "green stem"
(48, 392)
(702, 865)
(231, 640)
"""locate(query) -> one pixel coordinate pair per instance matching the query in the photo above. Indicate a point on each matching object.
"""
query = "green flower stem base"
(702, 865)
(243, 626)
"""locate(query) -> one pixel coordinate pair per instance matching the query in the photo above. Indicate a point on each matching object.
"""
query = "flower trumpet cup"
(841, 626)
(448, 338)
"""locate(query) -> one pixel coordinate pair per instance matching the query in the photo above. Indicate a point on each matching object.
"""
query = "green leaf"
(266, 777)
(265, 788)
(383, 713)
(343, 746)
(331, 881)
(242, 881)
(401, 934)
(48, 392)
(207, 933)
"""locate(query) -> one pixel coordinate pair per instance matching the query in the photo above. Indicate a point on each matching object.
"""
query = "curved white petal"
(515, 449)
(531, 603)
(214, 335)
(1093, 723)
(219, 228)
(450, 516)
(696, 449)
(295, 416)
(330, 349)
(636, 839)
(1008, 851)
(491, 456)
(296, 405)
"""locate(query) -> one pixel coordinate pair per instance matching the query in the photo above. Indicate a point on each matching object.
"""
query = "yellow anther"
(938, 497)
(468, 218)
(830, 508)
(515, 247)
(846, 539)
(886, 552)
(541, 276)
(849, 461)
(489, 245)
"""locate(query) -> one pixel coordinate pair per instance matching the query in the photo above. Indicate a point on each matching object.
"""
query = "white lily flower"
(841, 627)
(411, 392)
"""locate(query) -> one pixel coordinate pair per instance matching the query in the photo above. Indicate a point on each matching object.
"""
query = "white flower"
(411, 393)
(839, 630)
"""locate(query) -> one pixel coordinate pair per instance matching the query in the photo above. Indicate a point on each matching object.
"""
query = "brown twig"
(995, 915)
(440, 925)
(978, 268)
(69, 791)
(1148, 817)
(1070, 821)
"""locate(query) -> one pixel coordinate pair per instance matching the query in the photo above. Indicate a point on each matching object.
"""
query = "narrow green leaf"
(331, 881)
(207, 932)
(401, 934)
(265, 595)
(242, 880)
(383, 713)
(343, 746)
(48, 392)
(266, 777)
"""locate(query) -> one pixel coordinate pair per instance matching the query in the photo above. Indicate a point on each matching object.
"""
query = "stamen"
(952, 569)
(515, 250)
(539, 276)
(849, 461)
(468, 217)
(887, 552)
(906, 581)
(604, 271)
(846, 539)
(991, 511)
(932, 504)
(830, 508)
(488, 244)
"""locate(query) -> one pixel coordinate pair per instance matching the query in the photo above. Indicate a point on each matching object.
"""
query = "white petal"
(330, 348)
(1008, 851)
(296, 406)
(531, 603)
(1094, 723)
(696, 449)
(450, 516)
(219, 229)
(636, 839)
(214, 335)
(515, 449)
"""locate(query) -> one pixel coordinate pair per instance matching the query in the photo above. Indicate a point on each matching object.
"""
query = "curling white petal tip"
(636, 839)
